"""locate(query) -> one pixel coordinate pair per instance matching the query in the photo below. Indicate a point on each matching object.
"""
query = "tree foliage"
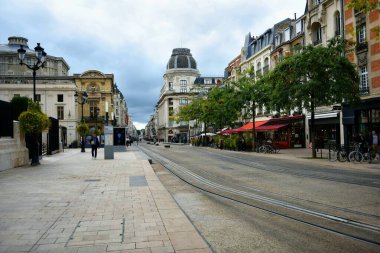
(250, 94)
(317, 76)
(83, 129)
(363, 5)
(219, 108)
(33, 121)
(19, 105)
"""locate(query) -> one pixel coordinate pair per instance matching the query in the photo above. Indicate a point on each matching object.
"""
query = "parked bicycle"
(338, 153)
(356, 155)
(268, 148)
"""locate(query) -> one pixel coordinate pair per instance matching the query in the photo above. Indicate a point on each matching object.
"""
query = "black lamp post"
(41, 57)
(83, 100)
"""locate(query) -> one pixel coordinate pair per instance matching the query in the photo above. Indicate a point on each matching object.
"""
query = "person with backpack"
(94, 145)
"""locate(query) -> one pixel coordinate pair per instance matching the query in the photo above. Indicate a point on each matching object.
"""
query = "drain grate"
(137, 181)
(92, 180)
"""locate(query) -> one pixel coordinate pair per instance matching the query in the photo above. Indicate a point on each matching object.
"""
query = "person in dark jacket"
(373, 143)
(94, 146)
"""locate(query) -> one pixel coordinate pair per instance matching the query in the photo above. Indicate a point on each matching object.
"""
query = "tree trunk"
(312, 128)
(253, 127)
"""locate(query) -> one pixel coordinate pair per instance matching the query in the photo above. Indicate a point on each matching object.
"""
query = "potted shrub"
(33, 122)
(83, 130)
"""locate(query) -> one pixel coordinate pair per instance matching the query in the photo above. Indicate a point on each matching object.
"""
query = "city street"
(273, 203)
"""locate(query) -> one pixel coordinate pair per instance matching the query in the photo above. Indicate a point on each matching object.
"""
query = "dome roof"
(181, 58)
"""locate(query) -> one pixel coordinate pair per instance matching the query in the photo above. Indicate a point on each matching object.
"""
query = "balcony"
(266, 69)
(360, 47)
(364, 91)
(258, 72)
(317, 42)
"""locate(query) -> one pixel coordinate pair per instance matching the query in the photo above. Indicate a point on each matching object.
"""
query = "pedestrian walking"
(373, 143)
(94, 146)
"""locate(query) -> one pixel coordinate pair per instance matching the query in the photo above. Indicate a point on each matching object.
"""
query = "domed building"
(182, 81)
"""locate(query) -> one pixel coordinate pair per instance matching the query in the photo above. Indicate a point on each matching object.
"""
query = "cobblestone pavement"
(73, 203)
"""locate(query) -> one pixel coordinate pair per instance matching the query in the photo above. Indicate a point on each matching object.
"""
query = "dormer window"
(277, 40)
(299, 26)
(287, 34)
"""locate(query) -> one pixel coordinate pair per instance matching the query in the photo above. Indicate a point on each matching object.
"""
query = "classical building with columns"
(54, 88)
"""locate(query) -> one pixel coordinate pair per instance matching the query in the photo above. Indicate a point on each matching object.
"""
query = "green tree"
(83, 129)
(315, 77)
(251, 94)
(33, 122)
(19, 105)
(221, 108)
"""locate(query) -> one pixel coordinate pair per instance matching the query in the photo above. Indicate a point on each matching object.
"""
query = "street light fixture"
(41, 57)
(83, 100)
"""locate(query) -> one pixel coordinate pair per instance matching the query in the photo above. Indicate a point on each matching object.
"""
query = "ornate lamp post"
(82, 101)
(41, 57)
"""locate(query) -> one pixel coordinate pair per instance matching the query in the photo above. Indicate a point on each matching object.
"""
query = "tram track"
(352, 229)
(283, 169)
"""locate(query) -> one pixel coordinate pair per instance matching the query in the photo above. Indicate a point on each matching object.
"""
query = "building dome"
(181, 58)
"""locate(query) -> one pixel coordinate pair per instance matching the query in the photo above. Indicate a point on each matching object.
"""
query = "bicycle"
(356, 155)
(339, 154)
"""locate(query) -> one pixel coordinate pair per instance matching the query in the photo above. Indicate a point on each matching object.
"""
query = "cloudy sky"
(133, 39)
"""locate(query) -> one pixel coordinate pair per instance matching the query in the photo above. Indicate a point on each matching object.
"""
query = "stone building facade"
(182, 81)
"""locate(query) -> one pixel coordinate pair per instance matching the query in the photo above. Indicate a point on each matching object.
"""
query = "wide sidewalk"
(73, 203)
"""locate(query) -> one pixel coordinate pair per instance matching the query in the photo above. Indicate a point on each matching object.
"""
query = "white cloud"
(134, 39)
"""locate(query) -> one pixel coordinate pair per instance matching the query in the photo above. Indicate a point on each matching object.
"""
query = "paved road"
(341, 189)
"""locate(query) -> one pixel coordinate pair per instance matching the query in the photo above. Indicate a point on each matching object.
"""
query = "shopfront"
(327, 128)
(363, 119)
(286, 132)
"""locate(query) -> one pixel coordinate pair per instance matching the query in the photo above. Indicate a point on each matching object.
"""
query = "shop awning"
(248, 126)
(269, 128)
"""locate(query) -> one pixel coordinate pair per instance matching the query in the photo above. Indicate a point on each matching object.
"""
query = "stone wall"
(13, 151)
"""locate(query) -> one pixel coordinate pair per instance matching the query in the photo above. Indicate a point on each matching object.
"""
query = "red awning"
(270, 127)
(247, 127)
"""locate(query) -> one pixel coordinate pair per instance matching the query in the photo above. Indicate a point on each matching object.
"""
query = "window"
(38, 97)
(182, 86)
(362, 34)
(60, 97)
(16, 95)
(299, 27)
(337, 23)
(287, 34)
(317, 33)
(363, 80)
(208, 81)
(60, 112)
(94, 112)
(183, 101)
(170, 85)
(277, 40)
(316, 2)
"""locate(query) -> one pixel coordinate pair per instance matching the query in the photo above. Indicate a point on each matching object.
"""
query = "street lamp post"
(41, 57)
(83, 100)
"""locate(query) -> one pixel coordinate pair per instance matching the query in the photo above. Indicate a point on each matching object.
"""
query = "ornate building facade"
(54, 88)
(182, 82)
(100, 90)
